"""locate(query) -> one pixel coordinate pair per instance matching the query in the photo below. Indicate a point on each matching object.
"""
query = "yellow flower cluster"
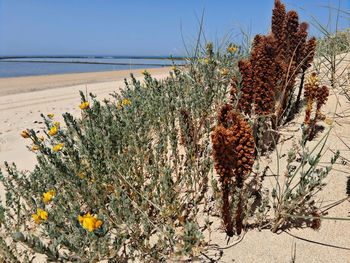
(123, 103)
(126, 102)
(81, 175)
(90, 222)
(40, 216)
(53, 131)
(51, 115)
(84, 105)
(48, 196)
(35, 147)
(25, 134)
(58, 147)
(232, 49)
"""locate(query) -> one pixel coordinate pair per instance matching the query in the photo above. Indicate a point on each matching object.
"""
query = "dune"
(23, 99)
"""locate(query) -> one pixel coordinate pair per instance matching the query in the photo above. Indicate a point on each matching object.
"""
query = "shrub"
(125, 180)
(293, 197)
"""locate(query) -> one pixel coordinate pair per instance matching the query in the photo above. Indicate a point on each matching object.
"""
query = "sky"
(141, 27)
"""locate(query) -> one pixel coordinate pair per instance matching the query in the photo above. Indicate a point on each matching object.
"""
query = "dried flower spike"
(233, 152)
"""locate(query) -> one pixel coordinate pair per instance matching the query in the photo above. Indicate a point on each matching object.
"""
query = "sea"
(43, 65)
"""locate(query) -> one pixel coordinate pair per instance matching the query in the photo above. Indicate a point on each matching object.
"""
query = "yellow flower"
(54, 130)
(232, 49)
(35, 147)
(41, 138)
(80, 219)
(225, 72)
(90, 222)
(36, 218)
(51, 115)
(47, 197)
(126, 102)
(84, 105)
(25, 134)
(98, 223)
(57, 124)
(40, 216)
(58, 147)
(81, 175)
(174, 68)
(144, 72)
(206, 61)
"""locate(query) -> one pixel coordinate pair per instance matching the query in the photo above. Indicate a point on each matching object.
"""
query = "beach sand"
(22, 100)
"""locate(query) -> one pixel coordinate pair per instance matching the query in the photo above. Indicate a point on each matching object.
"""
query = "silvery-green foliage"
(294, 196)
(126, 164)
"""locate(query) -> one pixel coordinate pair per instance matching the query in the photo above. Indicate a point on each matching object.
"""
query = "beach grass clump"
(127, 179)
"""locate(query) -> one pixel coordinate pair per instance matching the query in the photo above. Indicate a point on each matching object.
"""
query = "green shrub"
(125, 180)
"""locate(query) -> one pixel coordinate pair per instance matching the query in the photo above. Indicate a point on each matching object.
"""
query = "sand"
(23, 99)
(35, 83)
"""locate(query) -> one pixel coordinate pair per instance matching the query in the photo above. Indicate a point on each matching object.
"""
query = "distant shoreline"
(12, 66)
(87, 62)
(100, 57)
(23, 84)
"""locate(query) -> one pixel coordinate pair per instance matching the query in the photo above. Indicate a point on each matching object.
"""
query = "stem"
(226, 209)
(297, 102)
(277, 225)
(239, 212)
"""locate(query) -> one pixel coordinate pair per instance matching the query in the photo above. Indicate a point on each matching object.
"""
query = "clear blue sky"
(135, 27)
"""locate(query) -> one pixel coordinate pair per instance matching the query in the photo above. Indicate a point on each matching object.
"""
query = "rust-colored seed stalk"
(233, 152)
(268, 76)
(321, 98)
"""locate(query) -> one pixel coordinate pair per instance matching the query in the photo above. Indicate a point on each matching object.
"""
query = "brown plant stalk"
(268, 76)
(233, 152)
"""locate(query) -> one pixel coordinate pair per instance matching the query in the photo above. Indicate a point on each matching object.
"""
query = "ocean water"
(34, 66)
